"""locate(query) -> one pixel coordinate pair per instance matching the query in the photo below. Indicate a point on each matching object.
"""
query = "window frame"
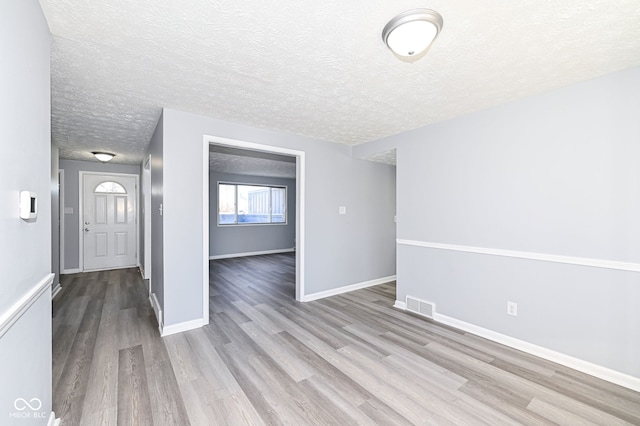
(264, 185)
(115, 184)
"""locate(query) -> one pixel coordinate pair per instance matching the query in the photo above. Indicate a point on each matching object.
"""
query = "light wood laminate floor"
(267, 359)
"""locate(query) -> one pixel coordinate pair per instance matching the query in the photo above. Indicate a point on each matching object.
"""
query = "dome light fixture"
(410, 34)
(103, 156)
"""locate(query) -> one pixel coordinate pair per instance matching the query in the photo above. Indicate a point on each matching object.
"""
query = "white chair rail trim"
(21, 306)
(596, 263)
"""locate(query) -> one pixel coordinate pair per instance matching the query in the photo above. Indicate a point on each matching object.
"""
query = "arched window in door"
(110, 187)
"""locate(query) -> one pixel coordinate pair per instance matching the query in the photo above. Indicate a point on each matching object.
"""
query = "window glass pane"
(253, 204)
(278, 205)
(226, 204)
(110, 188)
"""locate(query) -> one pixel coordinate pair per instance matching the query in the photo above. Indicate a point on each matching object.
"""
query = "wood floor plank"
(369, 376)
(258, 317)
(87, 392)
(606, 402)
(471, 369)
(134, 405)
(268, 406)
(341, 384)
(509, 355)
(381, 414)
(327, 335)
(286, 360)
(199, 411)
(61, 346)
(182, 357)
(561, 415)
(102, 392)
(322, 392)
(219, 382)
(167, 405)
(73, 380)
(411, 354)
(298, 401)
(265, 358)
(438, 404)
(499, 398)
(128, 328)
(106, 417)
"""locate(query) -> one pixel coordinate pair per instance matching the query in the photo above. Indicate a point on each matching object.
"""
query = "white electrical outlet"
(512, 308)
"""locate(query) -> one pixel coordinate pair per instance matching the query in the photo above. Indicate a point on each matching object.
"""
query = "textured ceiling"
(254, 163)
(386, 157)
(312, 68)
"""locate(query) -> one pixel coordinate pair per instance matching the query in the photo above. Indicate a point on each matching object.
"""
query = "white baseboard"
(52, 420)
(156, 309)
(71, 271)
(251, 253)
(57, 289)
(599, 371)
(578, 364)
(346, 289)
(400, 305)
(182, 327)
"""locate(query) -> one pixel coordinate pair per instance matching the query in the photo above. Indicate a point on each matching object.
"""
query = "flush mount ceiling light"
(103, 156)
(410, 34)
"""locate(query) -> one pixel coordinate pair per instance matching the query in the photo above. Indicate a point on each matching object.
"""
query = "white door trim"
(300, 211)
(146, 191)
(62, 217)
(81, 175)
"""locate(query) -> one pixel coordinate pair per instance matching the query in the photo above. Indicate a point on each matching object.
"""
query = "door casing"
(136, 198)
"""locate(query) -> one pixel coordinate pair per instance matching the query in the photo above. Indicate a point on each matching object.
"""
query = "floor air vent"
(420, 307)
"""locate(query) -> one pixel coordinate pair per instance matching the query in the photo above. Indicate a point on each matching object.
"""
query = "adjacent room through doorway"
(253, 224)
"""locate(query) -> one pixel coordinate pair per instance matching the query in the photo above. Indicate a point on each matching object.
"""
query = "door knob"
(86, 222)
(86, 229)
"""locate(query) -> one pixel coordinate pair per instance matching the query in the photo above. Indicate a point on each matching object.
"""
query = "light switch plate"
(342, 210)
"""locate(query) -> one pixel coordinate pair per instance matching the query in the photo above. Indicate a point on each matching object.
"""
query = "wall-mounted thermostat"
(28, 205)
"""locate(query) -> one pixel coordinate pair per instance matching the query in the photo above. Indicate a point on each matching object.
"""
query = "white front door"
(109, 221)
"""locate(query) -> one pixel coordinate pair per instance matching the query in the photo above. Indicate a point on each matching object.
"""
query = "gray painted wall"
(340, 249)
(157, 236)
(250, 238)
(72, 170)
(25, 247)
(553, 174)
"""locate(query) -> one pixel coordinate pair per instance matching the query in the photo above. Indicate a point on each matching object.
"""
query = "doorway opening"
(108, 221)
(296, 211)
